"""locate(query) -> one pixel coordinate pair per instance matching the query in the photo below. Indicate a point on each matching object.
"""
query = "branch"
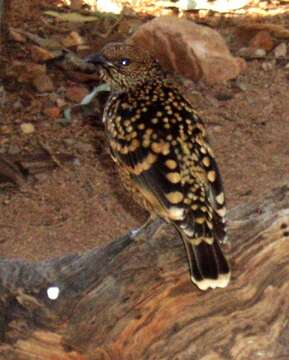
(135, 300)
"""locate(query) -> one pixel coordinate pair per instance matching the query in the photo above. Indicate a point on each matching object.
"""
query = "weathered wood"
(131, 300)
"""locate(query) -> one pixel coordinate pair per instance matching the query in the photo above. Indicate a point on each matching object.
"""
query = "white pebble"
(280, 50)
(53, 292)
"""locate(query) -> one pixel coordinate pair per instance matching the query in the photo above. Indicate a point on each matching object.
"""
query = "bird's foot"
(147, 230)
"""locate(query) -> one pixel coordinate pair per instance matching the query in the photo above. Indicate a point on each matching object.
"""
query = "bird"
(161, 149)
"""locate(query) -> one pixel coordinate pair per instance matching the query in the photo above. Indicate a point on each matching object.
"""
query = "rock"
(60, 102)
(194, 51)
(262, 40)
(260, 53)
(240, 85)
(16, 36)
(52, 112)
(268, 65)
(5, 130)
(76, 4)
(69, 142)
(27, 128)
(280, 50)
(40, 177)
(38, 54)
(76, 162)
(251, 53)
(110, 6)
(76, 93)
(216, 128)
(43, 83)
(72, 39)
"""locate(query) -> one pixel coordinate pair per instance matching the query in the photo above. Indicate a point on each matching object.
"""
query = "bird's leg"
(148, 229)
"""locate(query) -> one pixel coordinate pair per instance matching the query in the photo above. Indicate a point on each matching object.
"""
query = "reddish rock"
(72, 39)
(192, 50)
(43, 83)
(39, 54)
(262, 40)
(16, 36)
(76, 93)
(53, 112)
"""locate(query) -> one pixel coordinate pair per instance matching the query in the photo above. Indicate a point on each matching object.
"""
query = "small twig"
(10, 172)
(38, 40)
(47, 149)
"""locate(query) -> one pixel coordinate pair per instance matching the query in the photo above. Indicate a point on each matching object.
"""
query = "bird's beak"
(97, 59)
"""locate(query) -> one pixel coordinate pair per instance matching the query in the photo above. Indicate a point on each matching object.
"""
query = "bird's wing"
(169, 160)
(149, 170)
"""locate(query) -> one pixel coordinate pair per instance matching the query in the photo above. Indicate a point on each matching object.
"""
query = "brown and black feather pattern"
(160, 145)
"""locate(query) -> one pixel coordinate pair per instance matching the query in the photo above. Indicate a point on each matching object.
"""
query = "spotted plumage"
(160, 145)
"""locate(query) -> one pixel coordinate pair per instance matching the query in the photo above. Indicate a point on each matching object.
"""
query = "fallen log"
(134, 300)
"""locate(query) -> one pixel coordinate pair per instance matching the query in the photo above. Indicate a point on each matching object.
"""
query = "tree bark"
(134, 300)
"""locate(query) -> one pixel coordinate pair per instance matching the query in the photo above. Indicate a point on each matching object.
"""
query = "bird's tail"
(209, 267)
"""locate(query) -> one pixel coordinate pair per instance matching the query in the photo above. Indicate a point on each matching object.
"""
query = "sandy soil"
(75, 208)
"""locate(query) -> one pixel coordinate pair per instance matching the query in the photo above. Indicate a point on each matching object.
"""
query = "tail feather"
(209, 267)
(205, 260)
(220, 228)
(202, 230)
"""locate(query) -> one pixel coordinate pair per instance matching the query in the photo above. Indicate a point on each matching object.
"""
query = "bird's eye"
(124, 62)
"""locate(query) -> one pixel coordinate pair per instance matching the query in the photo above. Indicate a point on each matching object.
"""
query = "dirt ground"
(79, 206)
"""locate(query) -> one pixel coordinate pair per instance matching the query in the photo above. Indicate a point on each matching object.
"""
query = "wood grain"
(134, 300)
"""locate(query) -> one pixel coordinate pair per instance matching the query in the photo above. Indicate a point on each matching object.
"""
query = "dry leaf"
(71, 17)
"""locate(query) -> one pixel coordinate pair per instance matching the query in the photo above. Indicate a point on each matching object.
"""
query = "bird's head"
(124, 66)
